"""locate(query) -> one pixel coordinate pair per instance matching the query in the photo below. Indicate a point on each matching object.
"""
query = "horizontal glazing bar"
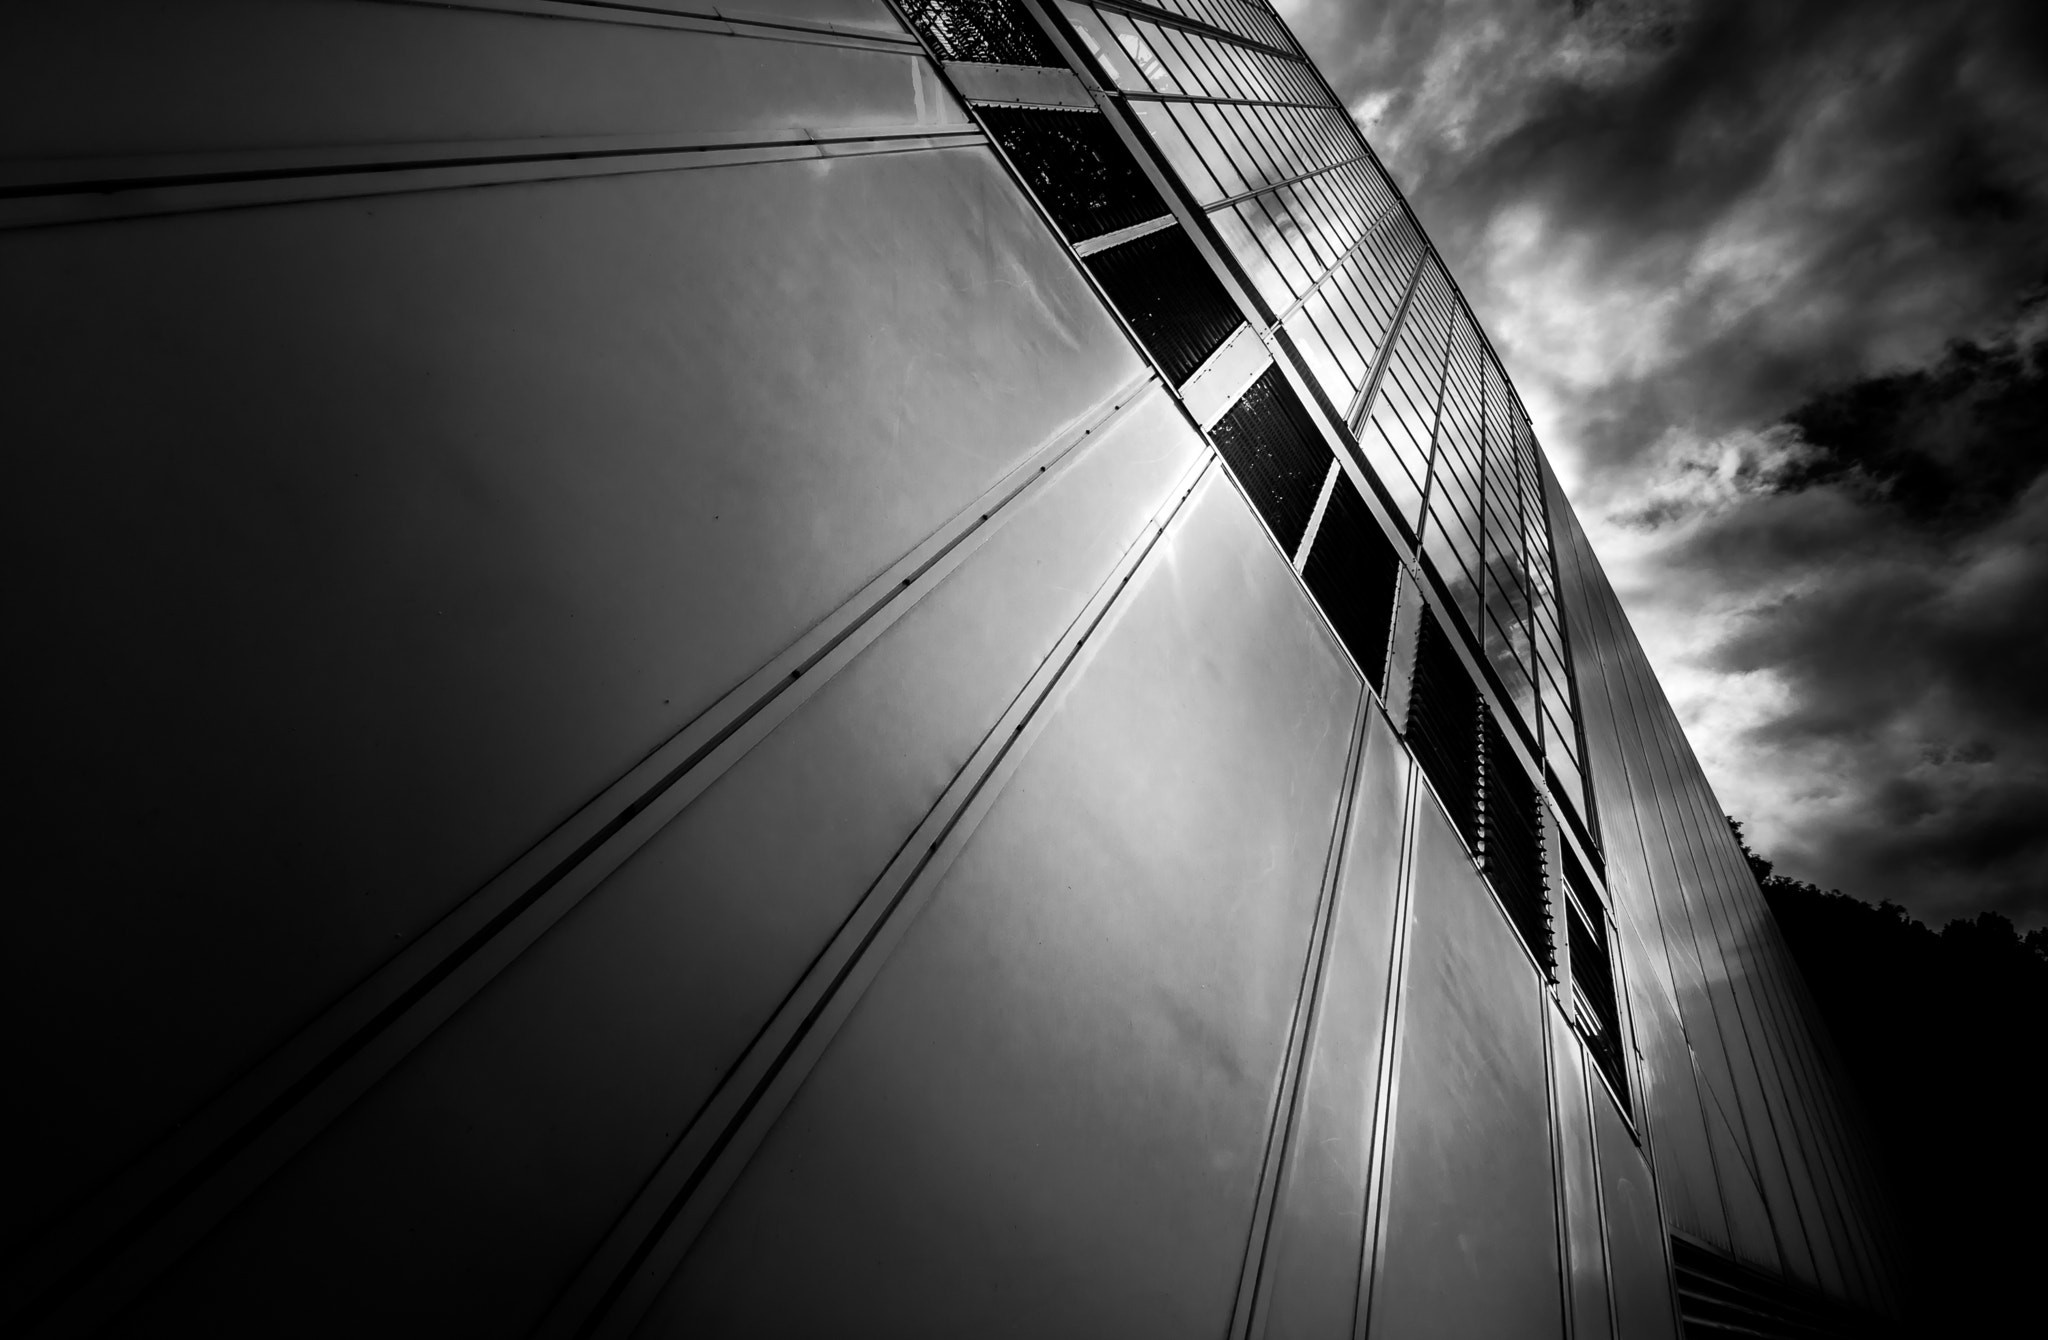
(1248, 21)
(1243, 196)
(1334, 255)
(1139, 96)
(1168, 19)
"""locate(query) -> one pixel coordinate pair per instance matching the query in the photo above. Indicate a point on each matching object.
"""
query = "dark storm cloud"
(1911, 646)
(1758, 269)
(1949, 446)
(1760, 197)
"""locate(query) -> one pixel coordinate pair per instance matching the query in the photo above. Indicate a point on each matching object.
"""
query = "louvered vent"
(1077, 167)
(1172, 299)
(1593, 975)
(1270, 444)
(1443, 724)
(1718, 1298)
(1351, 570)
(1511, 839)
(990, 32)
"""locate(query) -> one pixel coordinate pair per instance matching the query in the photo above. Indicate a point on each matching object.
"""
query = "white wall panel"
(1047, 1115)
(369, 540)
(1469, 1241)
(119, 78)
(510, 1141)
(1315, 1251)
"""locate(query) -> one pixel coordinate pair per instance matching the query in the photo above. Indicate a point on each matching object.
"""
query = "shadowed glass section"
(1271, 445)
(1351, 571)
(998, 32)
(1077, 167)
(1598, 1009)
(1172, 299)
(1511, 840)
(1400, 422)
(1443, 724)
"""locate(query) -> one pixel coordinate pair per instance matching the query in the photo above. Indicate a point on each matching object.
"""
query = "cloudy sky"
(1770, 276)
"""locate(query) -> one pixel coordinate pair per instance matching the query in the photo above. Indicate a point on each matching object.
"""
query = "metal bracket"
(1019, 86)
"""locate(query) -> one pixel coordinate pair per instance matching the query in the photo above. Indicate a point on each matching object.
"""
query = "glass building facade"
(897, 669)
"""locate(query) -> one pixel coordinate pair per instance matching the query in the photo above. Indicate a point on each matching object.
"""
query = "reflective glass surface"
(1319, 230)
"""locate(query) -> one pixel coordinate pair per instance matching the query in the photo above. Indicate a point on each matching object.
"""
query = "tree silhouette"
(1941, 1036)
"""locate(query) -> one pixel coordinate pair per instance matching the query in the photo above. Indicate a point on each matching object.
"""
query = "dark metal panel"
(1828, 1146)
(1821, 1142)
(510, 1140)
(1469, 1241)
(1713, 1028)
(395, 532)
(1314, 1253)
(1592, 638)
(1728, 1062)
(1639, 1273)
(1749, 1213)
(1047, 1115)
(126, 77)
(1737, 951)
(1757, 1074)
(866, 15)
(1578, 1181)
(1671, 1101)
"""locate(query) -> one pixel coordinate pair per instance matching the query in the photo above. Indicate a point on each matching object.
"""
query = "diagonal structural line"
(1355, 413)
(1254, 1287)
(1393, 1032)
(127, 1235)
(624, 1275)
(1271, 187)
(40, 195)
(1371, 233)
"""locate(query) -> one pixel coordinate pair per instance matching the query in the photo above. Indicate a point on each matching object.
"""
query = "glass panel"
(1251, 254)
(1259, 221)
(1166, 49)
(1104, 45)
(1316, 353)
(1389, 466)
(1340, 340)
(1165, 131)
(1196, 122)
(1139, 50)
